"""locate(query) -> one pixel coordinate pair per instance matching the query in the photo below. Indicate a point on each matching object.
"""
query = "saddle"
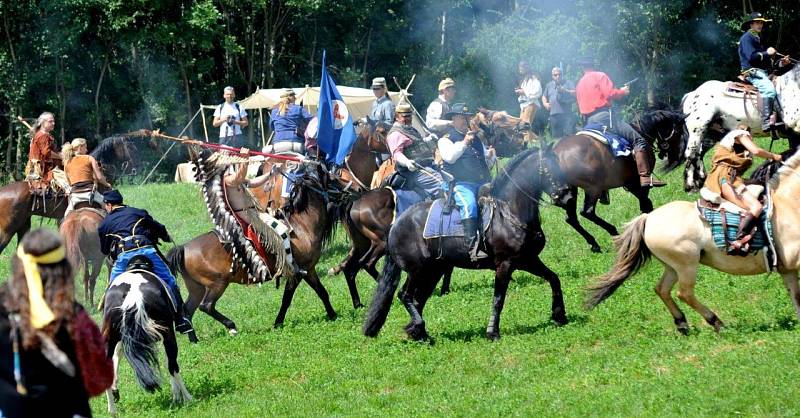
(142, 265)
(617, 144)
(444, 219)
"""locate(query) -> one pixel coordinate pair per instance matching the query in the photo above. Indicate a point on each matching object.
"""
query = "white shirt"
(433, 116)
(227, 110)
(532, 91)
(451, 151)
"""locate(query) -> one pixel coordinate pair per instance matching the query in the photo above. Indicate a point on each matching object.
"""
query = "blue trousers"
(160, 268)
(762, 82)
(465, 195)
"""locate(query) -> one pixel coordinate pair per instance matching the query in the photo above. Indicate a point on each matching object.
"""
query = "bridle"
(544, 172)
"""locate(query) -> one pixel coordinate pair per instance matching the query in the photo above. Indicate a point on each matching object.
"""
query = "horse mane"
(787, 167)
(105, 147)
(500, 181)
(311, 182)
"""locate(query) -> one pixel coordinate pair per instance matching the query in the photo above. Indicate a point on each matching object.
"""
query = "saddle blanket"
(440, 224)
(714, 218)
(617, 144)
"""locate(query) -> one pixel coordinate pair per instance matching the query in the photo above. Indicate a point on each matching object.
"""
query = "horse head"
(666, 131)
(552, 178)
(504, 132)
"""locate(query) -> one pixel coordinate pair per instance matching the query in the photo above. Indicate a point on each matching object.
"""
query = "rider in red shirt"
(595, 93)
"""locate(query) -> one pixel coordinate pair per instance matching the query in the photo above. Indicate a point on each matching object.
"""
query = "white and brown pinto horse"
(709, 111)
(677, 236)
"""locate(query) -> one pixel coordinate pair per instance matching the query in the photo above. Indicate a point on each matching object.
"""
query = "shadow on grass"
(206, 387)
(787, 323)
(520, 279)
(473, 334)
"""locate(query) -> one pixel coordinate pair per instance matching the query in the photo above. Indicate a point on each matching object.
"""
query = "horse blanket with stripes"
(617, 144)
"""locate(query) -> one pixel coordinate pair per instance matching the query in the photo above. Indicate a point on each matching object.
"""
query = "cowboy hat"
(754, 17)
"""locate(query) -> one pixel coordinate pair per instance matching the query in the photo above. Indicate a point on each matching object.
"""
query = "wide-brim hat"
(457, 109)
(113, 197)
(403, 108)
(378, 82)
(754, 17)
(286, 93)
(447, 82)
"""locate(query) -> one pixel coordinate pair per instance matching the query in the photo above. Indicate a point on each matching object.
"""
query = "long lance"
(220, 147)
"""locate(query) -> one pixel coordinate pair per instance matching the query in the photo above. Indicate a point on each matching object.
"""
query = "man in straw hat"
(466, 159)
(382, 107)
(595, 93)
(756, 62)
(413, 155)
(440, 106)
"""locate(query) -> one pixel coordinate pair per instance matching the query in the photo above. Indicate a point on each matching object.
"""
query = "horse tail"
(176, 260)
(139, 334)
(632, 254)
(382, 299)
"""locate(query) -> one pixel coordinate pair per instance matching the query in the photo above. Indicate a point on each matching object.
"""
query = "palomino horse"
(514, 239)
(79, 231)
(708, 108)
(370, 217)
(588, 164)
(18, 203)
(206, 263)
(137, 314)
(681, 241)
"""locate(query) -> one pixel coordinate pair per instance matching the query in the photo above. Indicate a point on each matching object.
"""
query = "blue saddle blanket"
(617, 144)
(440, 224)
(761, 237)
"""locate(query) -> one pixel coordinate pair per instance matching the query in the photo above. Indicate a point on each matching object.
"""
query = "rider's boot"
(182, 322)
(645, 168)
(766, 114)
(472, 235)
(743, 236)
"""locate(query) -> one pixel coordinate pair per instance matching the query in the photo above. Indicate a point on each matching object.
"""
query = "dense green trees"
(108, 66)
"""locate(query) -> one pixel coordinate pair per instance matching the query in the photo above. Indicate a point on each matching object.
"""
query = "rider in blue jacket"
(127, 232)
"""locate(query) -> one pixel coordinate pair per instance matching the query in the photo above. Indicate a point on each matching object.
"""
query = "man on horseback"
(440, 106)
(83, 173)
(756, 62)
(468, 162)
(43, 153)
(127, 232)
(595, 93)
(413, 155)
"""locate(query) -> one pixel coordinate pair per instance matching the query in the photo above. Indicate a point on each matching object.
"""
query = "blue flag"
(335, 134)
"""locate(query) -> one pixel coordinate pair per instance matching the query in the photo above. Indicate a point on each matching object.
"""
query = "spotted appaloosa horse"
(710, 111)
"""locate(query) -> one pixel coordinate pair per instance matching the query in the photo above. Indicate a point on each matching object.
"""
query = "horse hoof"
(683, 329)
(332, 271)
(560, 320)
(358, 305)
(492, 335)
(444, 292)
(193, 337)
(332, 317)
(115, 394)
(232, 332)
(596, 249)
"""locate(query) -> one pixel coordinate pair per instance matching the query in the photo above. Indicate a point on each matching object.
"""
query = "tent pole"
(205, 129)
(261, 120)
(173, 144)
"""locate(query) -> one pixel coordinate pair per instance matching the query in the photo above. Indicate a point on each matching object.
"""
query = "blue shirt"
(383, 110)
(751, 53)
(289, 127)
(551, 92)
(121, 222)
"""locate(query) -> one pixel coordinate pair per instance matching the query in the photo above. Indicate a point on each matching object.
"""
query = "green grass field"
(622, 359)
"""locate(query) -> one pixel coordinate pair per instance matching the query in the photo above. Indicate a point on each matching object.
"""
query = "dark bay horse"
(79, 230)
(589, 165)
(136, 315)
(206, 263)
(514, 239)
(18, 203)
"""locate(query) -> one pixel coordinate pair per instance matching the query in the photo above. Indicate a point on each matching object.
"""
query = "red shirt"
(42, 146)
(595, 91)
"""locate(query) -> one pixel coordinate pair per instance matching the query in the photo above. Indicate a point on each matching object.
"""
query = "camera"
(230, 119)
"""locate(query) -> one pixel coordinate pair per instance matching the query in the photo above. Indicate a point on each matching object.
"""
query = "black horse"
(137, 314)
(514, 238)
(118, 156)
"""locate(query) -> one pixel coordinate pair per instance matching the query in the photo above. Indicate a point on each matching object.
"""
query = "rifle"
(631, 82)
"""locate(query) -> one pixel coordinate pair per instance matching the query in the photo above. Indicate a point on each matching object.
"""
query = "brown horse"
(206, 263)
(18, 203)
(79, 230)
(588, 164)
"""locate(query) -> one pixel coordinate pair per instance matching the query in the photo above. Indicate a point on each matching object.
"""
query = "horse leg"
(350, 277)
(179, 393)
(588, 212)
(416, 328)
(313, 280)
(558, 311)
(445, 289)
(686, 282)
(112, 393)
(645, 204)
(209, 306)
(571, 208)
(664, 291)
(196, 293)
(791, 282)
(502, 276)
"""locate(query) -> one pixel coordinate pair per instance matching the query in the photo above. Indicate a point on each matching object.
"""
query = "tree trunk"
(98, 114)
(366, 56)
(444, 31)
(61, 92)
